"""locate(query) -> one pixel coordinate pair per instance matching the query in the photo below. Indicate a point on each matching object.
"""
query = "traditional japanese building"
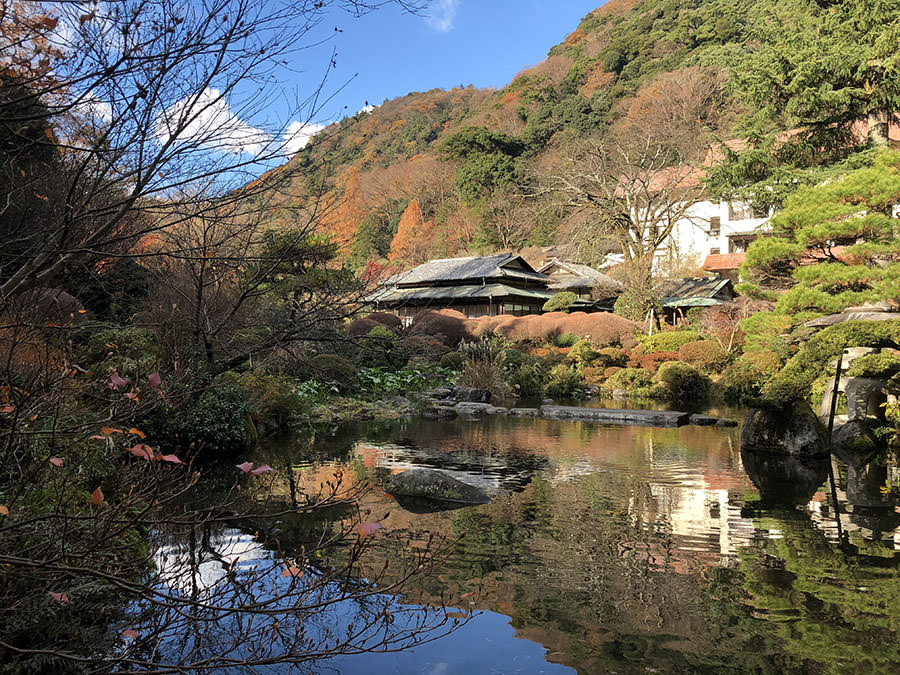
(476, 286)
(584, 281)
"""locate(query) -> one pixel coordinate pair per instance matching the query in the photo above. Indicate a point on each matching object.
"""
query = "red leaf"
(59, 597)
(107, 431)
(116, 380)
(292, 572)
(98, 438)
(245, 467)
(141, 451)
(84, 18)
(466, 595)
(97, 496)
(155, 380)
(262, 468)
(56, 461)
(3, 510)
(7, 408)
(132, 395)
(368, 529)
(137, 432)
(131, 633)
(170, 458)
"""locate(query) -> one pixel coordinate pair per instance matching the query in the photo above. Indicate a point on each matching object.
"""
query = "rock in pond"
(470, 394)
(437, 485)
(472, 409)
(795, 431)
(855, 443)
(524, 412)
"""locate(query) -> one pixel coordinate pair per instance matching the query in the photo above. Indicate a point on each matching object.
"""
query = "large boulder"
(795, 431)
(470, 394)
(855, 443)
(434, 484)
(784, 480)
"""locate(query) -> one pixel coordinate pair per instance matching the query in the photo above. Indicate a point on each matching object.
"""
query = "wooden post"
(831, 479)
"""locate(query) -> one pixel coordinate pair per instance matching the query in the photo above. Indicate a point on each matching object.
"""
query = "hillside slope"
(440, 173)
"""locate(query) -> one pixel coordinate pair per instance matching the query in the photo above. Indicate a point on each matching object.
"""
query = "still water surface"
(628, 549)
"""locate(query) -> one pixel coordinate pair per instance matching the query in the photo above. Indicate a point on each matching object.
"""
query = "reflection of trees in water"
(591, 560)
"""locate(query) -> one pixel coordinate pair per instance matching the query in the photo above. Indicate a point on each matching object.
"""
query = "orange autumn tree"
(342, 221)
(412, 241)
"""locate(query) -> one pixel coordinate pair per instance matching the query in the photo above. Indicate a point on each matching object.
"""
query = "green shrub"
(529, 379)
(582, 353)
(274, 401)
(561, 302)
(218, 420)
(610, 356)
(879, 365)
(706, 355)
(629, 379)
(742, 382)
(131, 351)
(667, 341)
(565, 383)
(334, 369)
(452, 361)
(794, 380)
(565, 340)
(683, 383)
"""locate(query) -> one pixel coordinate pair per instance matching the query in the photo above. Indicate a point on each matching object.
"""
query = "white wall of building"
(699, 234)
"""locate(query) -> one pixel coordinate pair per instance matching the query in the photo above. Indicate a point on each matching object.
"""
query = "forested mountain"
(445, 172)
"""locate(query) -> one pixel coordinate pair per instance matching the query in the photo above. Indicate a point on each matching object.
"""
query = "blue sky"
(479, 42)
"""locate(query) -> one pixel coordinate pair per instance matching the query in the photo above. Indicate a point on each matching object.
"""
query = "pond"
(617, 549)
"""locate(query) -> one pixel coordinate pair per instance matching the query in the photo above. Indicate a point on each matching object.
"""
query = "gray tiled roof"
(462, 269)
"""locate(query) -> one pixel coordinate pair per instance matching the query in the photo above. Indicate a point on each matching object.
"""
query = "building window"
(744, 211)
(740, 244)
(715, 226)
(714, 251)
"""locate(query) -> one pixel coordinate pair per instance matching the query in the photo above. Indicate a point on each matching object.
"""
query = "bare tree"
(643, 175)
(130, 131)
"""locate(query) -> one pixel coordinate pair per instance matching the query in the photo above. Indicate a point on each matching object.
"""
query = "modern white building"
(716, 234)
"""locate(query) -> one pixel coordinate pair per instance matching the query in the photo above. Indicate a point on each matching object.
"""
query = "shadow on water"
(622, 549)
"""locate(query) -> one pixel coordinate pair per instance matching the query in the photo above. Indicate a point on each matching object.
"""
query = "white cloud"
(213, 124)
(367, 109)
(298, 134)
(443, 12)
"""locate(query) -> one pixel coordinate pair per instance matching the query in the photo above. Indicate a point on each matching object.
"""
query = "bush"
(629, 379)
(561, 302)
(361, 326)
(582, 354)
(529, 379)
(594, 375)
(652, 361)
(667, 341)
(452, 361)
(706, 355)
(448, 325)
(566, 340)
(386, 319)
(334, 369)
(218, 420)
(742, 382)
(610, 356)
(131, 351)
(880, 365)
(565, 383)
(683, 383)
(484, 367)
(273, 400)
